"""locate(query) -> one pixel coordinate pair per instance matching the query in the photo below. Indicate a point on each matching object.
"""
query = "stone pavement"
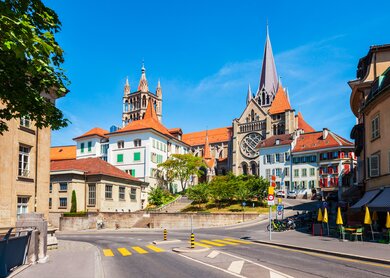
(71, 259)
(370, 251)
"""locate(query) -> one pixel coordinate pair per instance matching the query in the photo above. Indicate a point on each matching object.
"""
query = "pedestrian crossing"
(142, 250)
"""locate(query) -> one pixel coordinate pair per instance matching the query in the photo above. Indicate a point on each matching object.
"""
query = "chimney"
(325, 133)
(277, 142)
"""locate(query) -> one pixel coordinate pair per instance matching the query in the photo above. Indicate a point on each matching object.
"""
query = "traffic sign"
(280, 212)
(280, 208)
(271, 200)
(271, 190)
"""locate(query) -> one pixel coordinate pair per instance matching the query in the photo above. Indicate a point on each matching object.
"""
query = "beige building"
(370, 102)
(25, 170)
(99, 186)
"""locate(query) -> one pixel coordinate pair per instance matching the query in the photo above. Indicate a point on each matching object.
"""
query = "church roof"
(280, 103)
(315, 141)
(214, 136)
(268, 78)
(63, 152)
(302, 124)
(94, 131)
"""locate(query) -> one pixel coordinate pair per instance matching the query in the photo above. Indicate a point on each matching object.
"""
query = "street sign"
(279, 200)
(271, 190)
(280, 213)
(243, 204)
(271, 200)
(280, 208)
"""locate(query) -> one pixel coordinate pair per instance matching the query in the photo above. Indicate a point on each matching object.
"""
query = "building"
(98, 185)
(370, 103)
(135, 103)
(93, 143)
(25, 169)
(267, 113)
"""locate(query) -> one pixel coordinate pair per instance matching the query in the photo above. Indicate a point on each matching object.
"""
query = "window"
(154, 143)
(374, 166)
(133, 194)
(121, 144)
(287, 156)
(296, 173)
(325, 156)
(63, 202)
(313, 158)
(108, 192)
(277, 157)
(89, 146)
(153, 157)
(92, 194)
(303, 185)
(25, 122)
(63, 186)
(137, 156)
(312, 171)
(24, 157)
(137, 143)
(119, 157)
(278, 172)
(131, 172)
(50, 187)
(121, 193)
(375, 127)
(82, 145)
(304, 172)
(22, 206)
(268, 158)
(311, 184)
(50, 203)
(267, 173)
(286, 171)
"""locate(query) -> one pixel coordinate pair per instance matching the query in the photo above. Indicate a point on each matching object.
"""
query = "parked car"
(280, 193)
(292, 194)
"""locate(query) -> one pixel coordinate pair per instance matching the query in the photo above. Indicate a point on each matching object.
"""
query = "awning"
(367, 197)
(382, 201)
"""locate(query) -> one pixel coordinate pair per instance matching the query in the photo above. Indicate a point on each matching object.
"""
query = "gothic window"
(254, 168)
(252, 115)
(126, 106)
(144, 101)
(263, 98)
(267, 99)
(244, 168)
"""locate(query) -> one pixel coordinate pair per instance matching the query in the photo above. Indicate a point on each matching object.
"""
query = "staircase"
(182, 203)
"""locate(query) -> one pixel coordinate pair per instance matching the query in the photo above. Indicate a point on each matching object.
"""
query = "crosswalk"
(209, 243)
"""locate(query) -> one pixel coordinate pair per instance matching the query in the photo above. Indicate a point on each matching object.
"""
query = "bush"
(76, 214)
(159, 197)
(73, 208)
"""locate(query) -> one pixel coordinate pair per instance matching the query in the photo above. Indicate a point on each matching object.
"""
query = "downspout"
(36, 169)
(291, 169)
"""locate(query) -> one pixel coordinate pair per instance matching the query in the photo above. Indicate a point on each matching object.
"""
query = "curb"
(189, 250)
(159, 242)
(320, 251)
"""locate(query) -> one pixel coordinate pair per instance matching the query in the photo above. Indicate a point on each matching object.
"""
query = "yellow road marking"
(201, 244)
(140, 250)
(124, 252)
(225, 242)
(326, 256)
(237, 240)
(108, 253)
(155, 248)
(212, 243)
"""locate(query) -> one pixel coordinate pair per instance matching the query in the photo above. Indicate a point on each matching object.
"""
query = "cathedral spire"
(268, 76)
(207, 154)
(127, 87)
(159, 90)
(143, 83)
(249, 96)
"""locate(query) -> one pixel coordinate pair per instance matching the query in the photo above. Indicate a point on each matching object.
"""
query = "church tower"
(135, 103)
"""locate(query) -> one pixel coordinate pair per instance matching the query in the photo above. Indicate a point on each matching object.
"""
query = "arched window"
(244, 168)
(254, 168)
(252, 115)
(144, 101)
(267, 99)
(126, 106)
(263, 98)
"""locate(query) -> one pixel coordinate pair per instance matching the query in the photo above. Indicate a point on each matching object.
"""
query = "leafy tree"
(30, 64)
(198, 193)
(156, 196)
(182, 167)
(73, 207)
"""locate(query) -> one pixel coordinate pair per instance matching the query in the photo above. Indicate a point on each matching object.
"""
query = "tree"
(30, 64)
(182, 167)
(73, 207)
(198, 193)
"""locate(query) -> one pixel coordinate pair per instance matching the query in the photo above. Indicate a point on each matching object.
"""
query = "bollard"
(165, 234)
(192, 240)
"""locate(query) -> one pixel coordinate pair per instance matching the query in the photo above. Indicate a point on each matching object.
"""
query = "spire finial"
(158, 83)
(267, 27)
(143, 66)
(127, 81)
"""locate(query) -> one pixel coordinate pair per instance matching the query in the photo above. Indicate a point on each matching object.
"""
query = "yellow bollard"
(192, 240)
(165, 234)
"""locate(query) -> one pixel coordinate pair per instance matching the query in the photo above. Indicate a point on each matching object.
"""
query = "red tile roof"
(215, 135)
(91, 166)
(284, 139)
(175, 130)
(315, 141)
(302, 124)
(280, 103)
(63, 152)
(94, 131)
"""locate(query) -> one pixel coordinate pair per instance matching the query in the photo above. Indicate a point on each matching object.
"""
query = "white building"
(93, 143)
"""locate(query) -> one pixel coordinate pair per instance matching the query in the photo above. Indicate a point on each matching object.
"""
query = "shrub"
(73, 207)
(75, 214)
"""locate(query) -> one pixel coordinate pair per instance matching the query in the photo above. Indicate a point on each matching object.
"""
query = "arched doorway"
(244, 167)
(254, 168)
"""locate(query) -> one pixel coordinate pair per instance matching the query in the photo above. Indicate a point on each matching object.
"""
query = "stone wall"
(113, 220)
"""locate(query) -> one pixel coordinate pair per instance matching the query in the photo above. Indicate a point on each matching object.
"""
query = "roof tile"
(214, 136)
(94, 131)
(63, 152)
(280, 103)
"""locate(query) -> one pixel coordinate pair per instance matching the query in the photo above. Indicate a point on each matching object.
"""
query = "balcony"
(252, 126)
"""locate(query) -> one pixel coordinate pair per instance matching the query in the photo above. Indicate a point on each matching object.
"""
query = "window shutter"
(119, 158)
(374, 167)
(137, 156)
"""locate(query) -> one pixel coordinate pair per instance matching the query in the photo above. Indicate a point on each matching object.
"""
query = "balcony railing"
(252, 126)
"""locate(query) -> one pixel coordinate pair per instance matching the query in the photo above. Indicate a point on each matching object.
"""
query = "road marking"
(201, 244)
(139, 250)
(237, 240)
(124, 252)
(236, 266)
(212, 243)
(327, 256)
(225, 242)
(212, 266)
(275, 275)
(108, 253)
(154, 248)
(213, 254)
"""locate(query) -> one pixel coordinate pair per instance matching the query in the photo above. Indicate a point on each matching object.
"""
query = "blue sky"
(205, 54)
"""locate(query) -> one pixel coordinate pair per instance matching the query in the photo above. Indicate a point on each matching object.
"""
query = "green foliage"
(198, 193)
(181, 167)
(159, 197)
(30, 64)
(75, 214)
(73, 207)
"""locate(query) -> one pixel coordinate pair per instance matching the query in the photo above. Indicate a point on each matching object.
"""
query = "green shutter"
(137, 156)
(132, 172)
(82, 147)
(89, 146)
(119, 158)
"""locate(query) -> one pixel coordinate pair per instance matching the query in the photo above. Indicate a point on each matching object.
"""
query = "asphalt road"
(230, 259)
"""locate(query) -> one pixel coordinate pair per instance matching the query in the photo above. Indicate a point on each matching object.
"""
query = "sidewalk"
(368, 251)
(71, 259)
